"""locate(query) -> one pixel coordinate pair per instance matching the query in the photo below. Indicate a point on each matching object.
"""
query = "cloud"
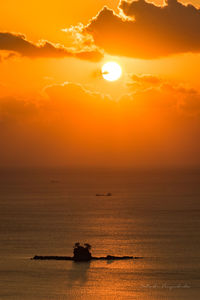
(74, 104)
(14, 110)
(144, 30)
(74, 94)
(73, 125)
(67, 104)
(191, 104)
(146, 78)
(78, 105)
(18, 43)
(143, 81)
(154, 92)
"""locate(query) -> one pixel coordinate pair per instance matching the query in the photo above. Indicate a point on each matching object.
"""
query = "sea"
(153, 214)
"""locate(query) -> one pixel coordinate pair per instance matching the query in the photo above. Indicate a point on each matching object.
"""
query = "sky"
(56, 109)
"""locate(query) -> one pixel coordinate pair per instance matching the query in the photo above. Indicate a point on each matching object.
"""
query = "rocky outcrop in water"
(82, 253)
(108, 257)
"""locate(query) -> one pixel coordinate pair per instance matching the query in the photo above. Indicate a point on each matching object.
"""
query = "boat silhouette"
(105, 195)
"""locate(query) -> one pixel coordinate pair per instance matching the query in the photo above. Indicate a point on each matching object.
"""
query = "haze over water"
(152, 214)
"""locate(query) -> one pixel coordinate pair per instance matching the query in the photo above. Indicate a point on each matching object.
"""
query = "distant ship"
(54, 181)
(106, 195)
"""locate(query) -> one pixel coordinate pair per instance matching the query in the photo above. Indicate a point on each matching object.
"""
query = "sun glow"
(111, 71)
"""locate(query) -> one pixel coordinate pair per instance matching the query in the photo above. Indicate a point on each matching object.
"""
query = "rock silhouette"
(82, 253)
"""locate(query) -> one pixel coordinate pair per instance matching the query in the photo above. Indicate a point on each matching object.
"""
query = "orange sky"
(57, 110)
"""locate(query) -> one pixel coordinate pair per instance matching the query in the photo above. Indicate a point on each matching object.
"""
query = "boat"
(104, 195)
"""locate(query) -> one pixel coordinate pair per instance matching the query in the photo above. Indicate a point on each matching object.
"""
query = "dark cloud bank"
(147, 31)
(13, 42)
(141, 30)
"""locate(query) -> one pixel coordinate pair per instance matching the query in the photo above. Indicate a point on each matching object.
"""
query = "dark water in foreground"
(154, 214)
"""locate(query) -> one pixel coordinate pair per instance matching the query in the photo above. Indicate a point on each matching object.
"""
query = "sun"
(111, 71)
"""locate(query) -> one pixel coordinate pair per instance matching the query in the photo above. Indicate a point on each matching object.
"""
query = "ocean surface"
(154, 214)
